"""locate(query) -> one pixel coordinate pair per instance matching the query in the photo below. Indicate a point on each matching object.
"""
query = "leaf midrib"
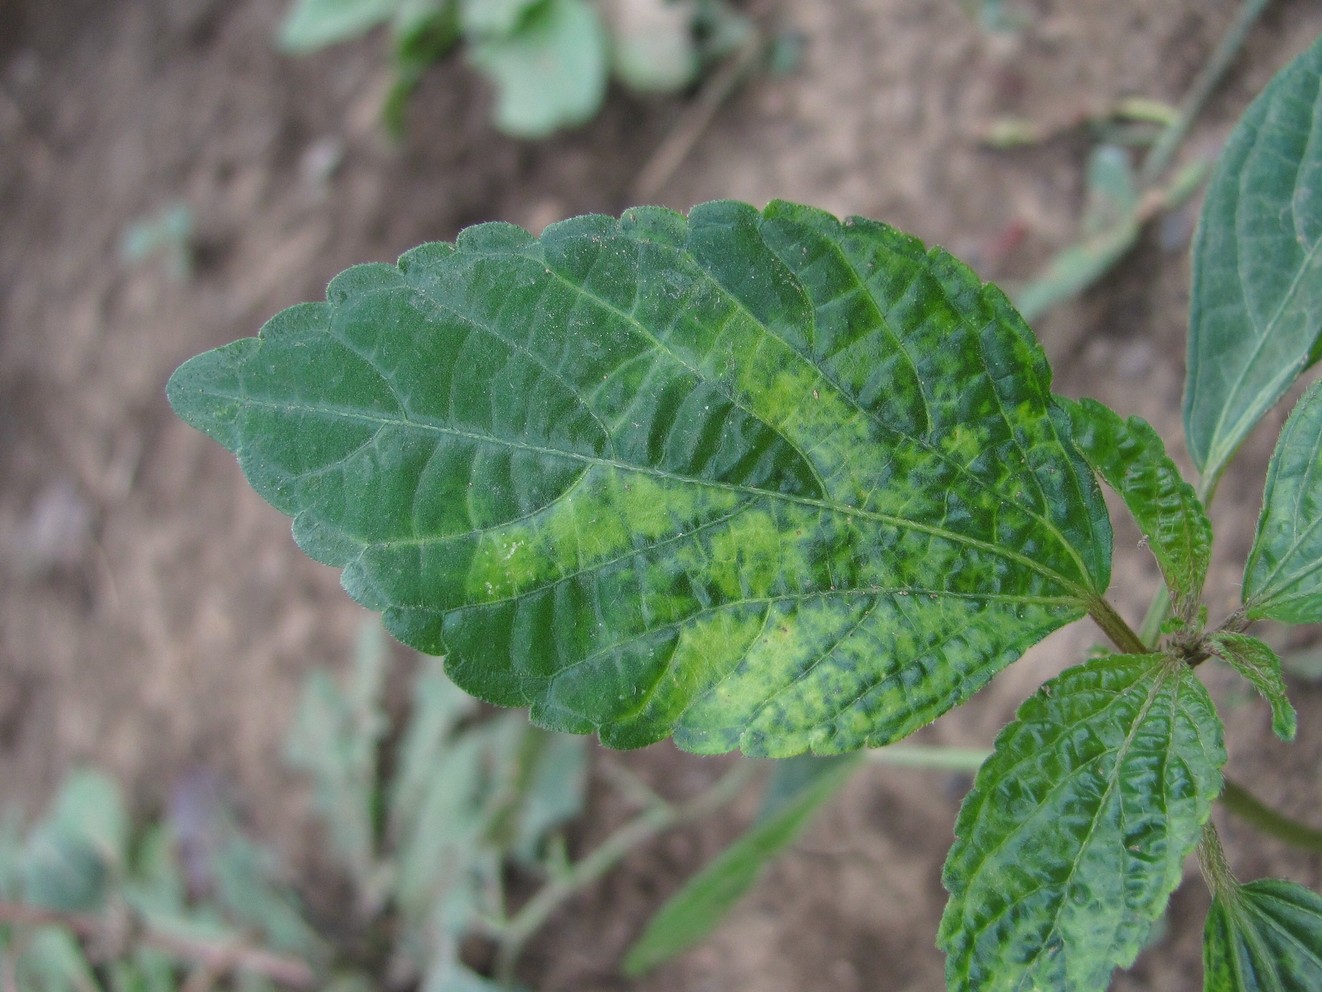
(1216, 458)
(1078, 593)
(973, 480)
(1119, 752)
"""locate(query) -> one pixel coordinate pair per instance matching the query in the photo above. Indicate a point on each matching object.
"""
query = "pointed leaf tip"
(1258, 663)
(1283, 574)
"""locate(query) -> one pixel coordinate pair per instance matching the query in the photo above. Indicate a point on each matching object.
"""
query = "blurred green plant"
(762, 479)
(549, 61)
(168, 234)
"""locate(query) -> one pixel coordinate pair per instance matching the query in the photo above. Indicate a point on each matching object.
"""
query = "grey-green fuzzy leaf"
(1283, 574)
(1256, 310)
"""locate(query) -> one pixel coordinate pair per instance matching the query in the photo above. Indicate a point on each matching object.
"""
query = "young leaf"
(757, 479)
(1283, 574)
(706, 898)
(1264, 936)
(1131, 457)
(1258, 663)
(1075, 832)
(1256, 310)
(551, 72)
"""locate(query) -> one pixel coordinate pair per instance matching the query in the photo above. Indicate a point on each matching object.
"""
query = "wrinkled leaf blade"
(1130, 456)
(707, 898)
(1283, 574)
(549, 74)
(1256, 309)
(1259, 664)
(754, 479)
(1264, 936)
(313, 24)
(1076, 829)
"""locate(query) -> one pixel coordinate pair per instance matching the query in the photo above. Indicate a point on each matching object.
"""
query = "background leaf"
(798, 788)
(759, 480)
(1257, 266)
(73, 854)
(1077, 827)
(550, 73)
(1264, 936)
(1283, 574)
(1258, 663)
(1131, 457)
(313, 24)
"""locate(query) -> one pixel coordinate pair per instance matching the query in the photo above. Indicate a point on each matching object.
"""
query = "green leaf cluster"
(767, 480)
(426, 848)
(549, 61)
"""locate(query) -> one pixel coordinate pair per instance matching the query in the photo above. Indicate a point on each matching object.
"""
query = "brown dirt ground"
(156, 617)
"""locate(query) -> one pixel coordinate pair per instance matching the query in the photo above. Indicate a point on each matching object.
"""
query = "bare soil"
(155, 616)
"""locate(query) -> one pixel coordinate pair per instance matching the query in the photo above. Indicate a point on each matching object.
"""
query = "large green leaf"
(1283, 574)
(799, 787)
(1257, 284)
(1264, 936)
(760, 480)
(1077, 827)
(1132, 459)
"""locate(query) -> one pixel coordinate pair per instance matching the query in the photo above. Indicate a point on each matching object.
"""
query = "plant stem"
(1212, 861)
(218, 956)
(1253, 810)
(650, 823)
(1155, 617)
(1213, 69)
(938, 756)
(1113, 626)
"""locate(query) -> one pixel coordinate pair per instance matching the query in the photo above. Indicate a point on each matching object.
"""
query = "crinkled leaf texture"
(1283, 574)
(1259, 664)
(1263, 936)
(1130, 456)
(755, 479)
(1074, 834)
(1256, 310)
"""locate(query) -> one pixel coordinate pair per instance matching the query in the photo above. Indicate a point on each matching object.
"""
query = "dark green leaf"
(313, 24)
(706, 898)
(1283, 575)
(1077, 827)
(549, 74)
(1264, 936)
(759, 480)
(1131, 457)
(1257, 284)
(1258, 663)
